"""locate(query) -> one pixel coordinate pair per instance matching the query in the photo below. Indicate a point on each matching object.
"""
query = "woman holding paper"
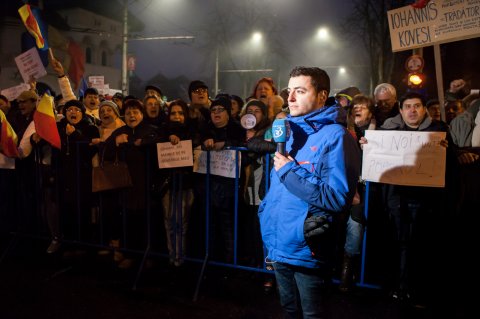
(177, 190)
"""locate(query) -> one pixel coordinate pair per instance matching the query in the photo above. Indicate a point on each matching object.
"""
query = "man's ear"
(322, 96)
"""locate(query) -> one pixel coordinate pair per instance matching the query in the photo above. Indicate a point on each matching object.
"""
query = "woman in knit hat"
(110, 120)
(74, 165)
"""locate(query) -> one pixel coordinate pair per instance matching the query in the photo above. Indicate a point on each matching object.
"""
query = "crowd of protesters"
(53, 187)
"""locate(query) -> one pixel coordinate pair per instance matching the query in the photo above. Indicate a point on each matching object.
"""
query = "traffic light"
(415, 80)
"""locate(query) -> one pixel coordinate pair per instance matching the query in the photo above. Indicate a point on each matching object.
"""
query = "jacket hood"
(397, 122)
(312, 122)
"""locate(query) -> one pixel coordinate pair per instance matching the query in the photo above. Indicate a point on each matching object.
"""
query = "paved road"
(35, 285)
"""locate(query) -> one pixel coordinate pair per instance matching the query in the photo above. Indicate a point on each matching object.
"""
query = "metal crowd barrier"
(148, 251)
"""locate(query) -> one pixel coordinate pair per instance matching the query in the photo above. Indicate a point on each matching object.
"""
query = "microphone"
(280, 134)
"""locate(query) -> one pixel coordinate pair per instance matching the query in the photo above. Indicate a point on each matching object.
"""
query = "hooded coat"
(321, 181)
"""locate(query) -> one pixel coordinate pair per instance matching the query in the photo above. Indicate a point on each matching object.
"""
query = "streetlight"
(256, 41)
(257, 37)
(323, 34)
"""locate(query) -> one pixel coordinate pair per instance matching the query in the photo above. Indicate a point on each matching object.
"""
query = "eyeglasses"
(200, 91)
(217, 110)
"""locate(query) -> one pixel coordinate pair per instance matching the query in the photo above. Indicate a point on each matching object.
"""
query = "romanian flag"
(77, 63)
(8, 137)
(45, 123)
(33, 25)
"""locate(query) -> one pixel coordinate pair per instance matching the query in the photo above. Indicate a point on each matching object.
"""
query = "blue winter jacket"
(320, 181)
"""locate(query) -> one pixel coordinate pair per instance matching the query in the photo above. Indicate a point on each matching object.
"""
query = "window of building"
(104, 58)
(88, 55)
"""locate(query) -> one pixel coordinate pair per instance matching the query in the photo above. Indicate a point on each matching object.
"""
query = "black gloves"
(315, 226)
(317, 231)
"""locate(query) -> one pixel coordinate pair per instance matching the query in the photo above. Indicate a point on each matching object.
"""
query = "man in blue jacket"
(310, 186)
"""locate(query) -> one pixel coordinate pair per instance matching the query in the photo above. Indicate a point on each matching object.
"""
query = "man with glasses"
(199, 99)
(27, 103)
(222, 132)
(386, 104)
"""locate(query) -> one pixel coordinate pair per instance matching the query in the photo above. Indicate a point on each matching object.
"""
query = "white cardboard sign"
(178, 155)
(13, 92)
(404, 158)
(222, 163)
(30, 65)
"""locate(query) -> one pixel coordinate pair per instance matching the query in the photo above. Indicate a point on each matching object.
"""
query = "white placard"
(404, 158)
(96, 81)
(112, 92)
(30, 65)
(13, 92)
(179, 155)
(104, 90)
(440, 21)
(222, 163)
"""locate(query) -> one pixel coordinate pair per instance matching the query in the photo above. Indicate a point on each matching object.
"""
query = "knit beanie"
(111, 104)
(75, 103)
(258, 103)
(349, 93)
(226, 103)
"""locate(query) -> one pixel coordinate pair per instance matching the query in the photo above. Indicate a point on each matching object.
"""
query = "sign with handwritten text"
(178, 155)
(404, 158)
(222, 163)
(440, 21)
(30, 65)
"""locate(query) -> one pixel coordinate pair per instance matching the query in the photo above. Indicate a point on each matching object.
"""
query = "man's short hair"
(319, 78)
(412, 95)
(92, 91)
(385, 87)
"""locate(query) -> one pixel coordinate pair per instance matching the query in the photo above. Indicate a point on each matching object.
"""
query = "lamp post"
(256, 40)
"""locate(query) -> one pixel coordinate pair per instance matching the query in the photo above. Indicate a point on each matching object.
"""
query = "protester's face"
(176, 114)
(118, 101)
(107, 115)
(74, 115)
(26, 107)
(452, 109)
(256, 111)
(133, 117)
(263, 91)
(91, 101)
(413, 112)
(385, 101)
(219, 116)
(302, 97)
(152, 107)
(4, 106)
(200, 96)
(343, 101)
(235, 108)
(434, 111)
(361, 114)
